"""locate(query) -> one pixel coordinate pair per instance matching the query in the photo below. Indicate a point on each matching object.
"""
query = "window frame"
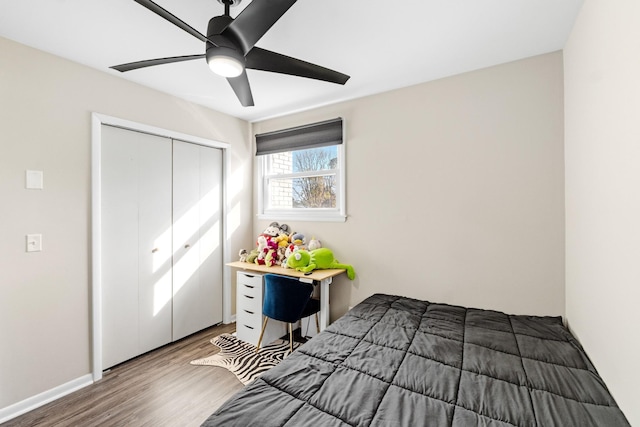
(337, 214)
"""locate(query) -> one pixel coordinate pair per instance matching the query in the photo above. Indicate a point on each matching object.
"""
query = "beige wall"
(602, 84)
(45, 117)
(454, 190)
(454, 194)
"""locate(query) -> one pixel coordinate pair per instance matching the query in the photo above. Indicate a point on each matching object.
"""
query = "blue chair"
(287, 299)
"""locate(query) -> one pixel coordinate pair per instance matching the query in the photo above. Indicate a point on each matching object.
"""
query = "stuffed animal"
(266, 251)
(272, 230)
(287, 253)
(271, 258)
(314, 244)
(297, 239)
(243, 255)
(262, 250)
(282, 240)
(321, 259)
(262, 243)
(280, 256)
(284, 229)
(251, 257)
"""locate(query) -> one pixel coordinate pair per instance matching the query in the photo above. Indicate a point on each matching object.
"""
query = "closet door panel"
(197, 173)
(154, 251)
(136, 243)
(211, 260)
(119, 260)
(186, 237)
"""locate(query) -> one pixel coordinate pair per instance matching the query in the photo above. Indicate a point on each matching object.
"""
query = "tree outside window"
(303, 179)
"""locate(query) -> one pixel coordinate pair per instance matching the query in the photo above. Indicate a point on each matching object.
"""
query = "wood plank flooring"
(159, 388)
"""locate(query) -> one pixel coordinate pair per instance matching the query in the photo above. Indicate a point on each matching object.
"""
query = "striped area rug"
(241, 358)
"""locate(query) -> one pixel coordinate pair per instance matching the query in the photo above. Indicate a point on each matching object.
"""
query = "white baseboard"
(43, 398)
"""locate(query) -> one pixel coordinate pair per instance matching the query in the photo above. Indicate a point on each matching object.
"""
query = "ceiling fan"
(230, 46)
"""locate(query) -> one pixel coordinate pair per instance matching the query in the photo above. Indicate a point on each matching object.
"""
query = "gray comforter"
(394, 361)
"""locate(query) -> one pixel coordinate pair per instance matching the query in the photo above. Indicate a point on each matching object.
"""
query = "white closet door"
(119, 210)
(211, 260)
(154, 251)
(136, 249)
(197, 264)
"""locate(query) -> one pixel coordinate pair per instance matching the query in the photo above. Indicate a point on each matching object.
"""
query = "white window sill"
(303, 216)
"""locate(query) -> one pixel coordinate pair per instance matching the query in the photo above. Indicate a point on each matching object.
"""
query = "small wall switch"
(34, 242)
(35, 180)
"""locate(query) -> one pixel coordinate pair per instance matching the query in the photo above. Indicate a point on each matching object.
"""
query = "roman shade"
(313, 135)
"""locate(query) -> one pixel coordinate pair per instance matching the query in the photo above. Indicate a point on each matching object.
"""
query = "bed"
(396, 361)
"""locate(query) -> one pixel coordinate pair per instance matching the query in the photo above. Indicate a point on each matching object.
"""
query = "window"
(302, 173)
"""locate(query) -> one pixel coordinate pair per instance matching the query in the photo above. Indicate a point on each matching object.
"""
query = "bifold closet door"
(197, 238)
(136, 243)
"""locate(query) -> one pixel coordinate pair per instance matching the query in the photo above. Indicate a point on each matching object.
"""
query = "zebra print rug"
(241, 358)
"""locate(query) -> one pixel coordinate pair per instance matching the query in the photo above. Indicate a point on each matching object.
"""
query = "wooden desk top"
(318, 275)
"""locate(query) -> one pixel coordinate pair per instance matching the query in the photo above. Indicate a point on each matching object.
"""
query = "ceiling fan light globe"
(225, 61)
(225, 66)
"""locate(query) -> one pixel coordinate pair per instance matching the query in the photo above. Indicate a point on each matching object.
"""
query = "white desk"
(323, 277)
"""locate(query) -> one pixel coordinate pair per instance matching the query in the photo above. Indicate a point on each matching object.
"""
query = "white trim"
(96, 239)
(226, 255)
(97, 120)
(140, 127)
(302, 216)
(43, 398)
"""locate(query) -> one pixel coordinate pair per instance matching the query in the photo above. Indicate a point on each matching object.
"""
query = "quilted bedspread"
(395, 361)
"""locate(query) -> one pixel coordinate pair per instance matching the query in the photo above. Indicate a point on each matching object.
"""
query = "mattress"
(397, 361)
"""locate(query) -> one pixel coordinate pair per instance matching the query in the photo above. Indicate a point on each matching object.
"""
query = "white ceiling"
(382, 45)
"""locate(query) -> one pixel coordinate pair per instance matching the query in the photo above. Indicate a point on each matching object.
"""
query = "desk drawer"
(253, 279)
(250, 291)
(247, 333)
(246, 301)
(249, 317)
(248, 329)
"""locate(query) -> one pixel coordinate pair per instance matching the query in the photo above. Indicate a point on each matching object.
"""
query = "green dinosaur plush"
(321, 259)
(251, 257)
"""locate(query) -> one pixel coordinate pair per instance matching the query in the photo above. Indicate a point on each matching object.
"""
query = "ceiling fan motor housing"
(216, 26)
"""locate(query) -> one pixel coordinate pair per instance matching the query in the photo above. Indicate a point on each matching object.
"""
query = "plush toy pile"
(278, 245)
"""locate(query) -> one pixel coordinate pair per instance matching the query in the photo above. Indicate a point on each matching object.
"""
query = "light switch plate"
(35, 180)
(34, 242)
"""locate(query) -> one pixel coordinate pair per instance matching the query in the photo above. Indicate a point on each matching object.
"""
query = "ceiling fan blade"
(241, 87)
(158, 10)
(151, 62)
(255, 20)
(265, 60)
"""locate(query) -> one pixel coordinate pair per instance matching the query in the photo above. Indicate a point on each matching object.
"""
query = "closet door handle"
(154, 250)
(187, 246)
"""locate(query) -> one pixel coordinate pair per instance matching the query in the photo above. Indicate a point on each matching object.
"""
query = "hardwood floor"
(159, 388)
